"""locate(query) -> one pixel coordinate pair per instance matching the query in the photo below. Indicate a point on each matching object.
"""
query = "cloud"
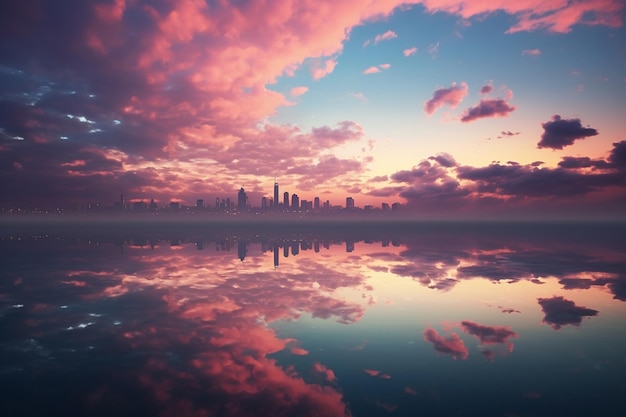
(617, 157)
(561, 312)
(558, 132)
(490, 335)
(487, 108)
(374, 69)
(371, 70)
(553, 16)
(433, 49)
(324, 372)
(486, 89)
(409, 51)
(531, 52)
(509, 133)
(571, 162)
(438, 186)
(359, 96)
(444, 159)
(451, 96)
(298, 91)
(322, 67)
(390, 34)
(452, 345)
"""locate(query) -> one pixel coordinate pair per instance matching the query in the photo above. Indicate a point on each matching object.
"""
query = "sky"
(449, 107)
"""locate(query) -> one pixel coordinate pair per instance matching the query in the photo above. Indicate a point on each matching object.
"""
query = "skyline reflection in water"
(495, 320)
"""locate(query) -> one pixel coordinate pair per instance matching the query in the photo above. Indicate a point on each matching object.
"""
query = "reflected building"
(242, 249)
(275, 255)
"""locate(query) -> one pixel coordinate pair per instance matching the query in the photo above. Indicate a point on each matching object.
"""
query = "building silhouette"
(286, 199)
(349, 202)
(242, 200)
(276, 193)
(295, 201)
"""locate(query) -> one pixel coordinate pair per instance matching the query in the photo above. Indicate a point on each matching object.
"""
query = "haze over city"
(447, 107)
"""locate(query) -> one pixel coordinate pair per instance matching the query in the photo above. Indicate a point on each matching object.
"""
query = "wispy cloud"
(531, 52)
(409, 51)
(390, 34)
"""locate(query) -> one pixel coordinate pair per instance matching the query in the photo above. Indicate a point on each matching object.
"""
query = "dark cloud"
(618, 155)
(559, 132)
(488, 108)
(561, 312)
(572, 162)
(489, 334)
(444, 159)
(486, 89)
(508, 133)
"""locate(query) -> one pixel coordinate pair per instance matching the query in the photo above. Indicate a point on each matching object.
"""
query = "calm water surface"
(401, 320)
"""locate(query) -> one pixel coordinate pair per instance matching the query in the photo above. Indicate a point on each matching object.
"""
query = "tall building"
(242, 200)
(200, 203)
(276, 192)
(295, 201)
(349, 202)
(286, 199)
(316, 203)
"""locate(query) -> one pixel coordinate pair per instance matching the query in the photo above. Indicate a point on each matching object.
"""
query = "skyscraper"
(286, 199)
(242, 199)
(276, 192)
(349, 203)
(295, 201)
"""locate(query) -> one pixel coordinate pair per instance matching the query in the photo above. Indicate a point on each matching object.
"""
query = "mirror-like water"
(399, 320)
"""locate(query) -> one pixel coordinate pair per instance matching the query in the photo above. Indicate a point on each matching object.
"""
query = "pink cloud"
(487, 108)
(409, 51)
(384, 66)
(299, 351)
(451, 96)
(322, 67)
(531, 52)
(550, 15)
(452, 345)
(371, 70)
(390, 34)
(324, 372)
(486, 89)
(298, 91)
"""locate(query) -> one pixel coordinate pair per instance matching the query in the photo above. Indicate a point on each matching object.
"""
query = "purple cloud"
(561, 312)
(559, 132)
(488, 108)
(451, 96)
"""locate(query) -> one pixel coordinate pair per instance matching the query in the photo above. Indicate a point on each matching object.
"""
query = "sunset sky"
(452, 107)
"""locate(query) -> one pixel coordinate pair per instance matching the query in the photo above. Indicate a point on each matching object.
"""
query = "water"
(312, 320)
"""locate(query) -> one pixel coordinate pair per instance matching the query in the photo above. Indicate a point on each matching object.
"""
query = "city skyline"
(451, 108)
